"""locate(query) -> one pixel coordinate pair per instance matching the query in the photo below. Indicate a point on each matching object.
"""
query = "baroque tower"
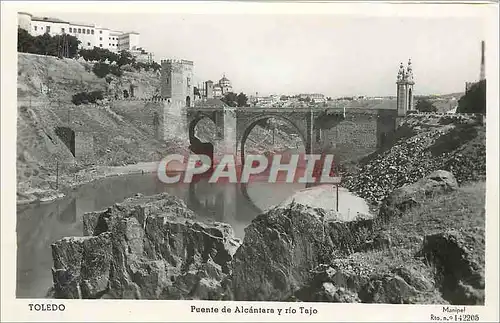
(177, 81)
(405, 84)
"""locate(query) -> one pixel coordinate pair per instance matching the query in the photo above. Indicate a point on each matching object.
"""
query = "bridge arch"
(250, 125)
(193, 122)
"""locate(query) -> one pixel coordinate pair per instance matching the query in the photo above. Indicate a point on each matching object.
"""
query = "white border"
(104, 310)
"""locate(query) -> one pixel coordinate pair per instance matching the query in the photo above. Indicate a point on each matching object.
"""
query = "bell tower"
(405, 84)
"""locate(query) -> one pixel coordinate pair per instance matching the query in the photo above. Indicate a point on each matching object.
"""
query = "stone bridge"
(362, 130)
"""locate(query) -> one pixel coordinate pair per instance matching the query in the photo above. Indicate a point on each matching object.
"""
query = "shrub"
(86, 98)
(101, 69)
(115, 70)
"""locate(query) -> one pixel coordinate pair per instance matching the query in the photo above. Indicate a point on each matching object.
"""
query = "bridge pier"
(174, 122)
(226, 143)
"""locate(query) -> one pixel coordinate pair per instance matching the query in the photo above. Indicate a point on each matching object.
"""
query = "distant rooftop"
(57, 20)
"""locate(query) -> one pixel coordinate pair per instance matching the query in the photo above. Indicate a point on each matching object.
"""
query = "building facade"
(313, 97)
(405, 83)
(89, 35)
(225, 85)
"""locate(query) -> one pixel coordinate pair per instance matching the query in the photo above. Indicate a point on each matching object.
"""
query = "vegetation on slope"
(59, 45)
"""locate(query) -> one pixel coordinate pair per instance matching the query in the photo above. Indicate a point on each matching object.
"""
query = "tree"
(46, 44)
(242, 100)
(424, 105)
(474, 101)
(231, 99)
(125, 58)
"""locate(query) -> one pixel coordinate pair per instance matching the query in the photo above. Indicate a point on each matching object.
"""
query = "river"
(38, 226)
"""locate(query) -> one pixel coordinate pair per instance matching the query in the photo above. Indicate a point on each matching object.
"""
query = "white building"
(314, 97)
(90, 35)
(128, 41)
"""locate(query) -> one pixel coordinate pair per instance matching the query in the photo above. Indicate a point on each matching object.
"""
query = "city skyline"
(272, 54)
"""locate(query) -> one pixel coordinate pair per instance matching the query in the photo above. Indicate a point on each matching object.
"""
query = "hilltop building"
(212, 90)
(405, 84)
(89, 35)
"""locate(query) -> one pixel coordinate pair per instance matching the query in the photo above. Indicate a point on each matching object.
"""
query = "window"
(35, 28)
(48, 29)
(92, 31)
(88, 31)
(79, 30)
(88, 44)
(100, 38)
(100, 31)
(70, 29)
(62, 29)
(100, 45)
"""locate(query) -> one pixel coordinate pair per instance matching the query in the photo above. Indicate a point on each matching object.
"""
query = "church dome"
(224, 81)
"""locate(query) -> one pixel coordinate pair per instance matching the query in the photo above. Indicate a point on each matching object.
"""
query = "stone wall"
(145, 115)
(358, 134)
(174, 122)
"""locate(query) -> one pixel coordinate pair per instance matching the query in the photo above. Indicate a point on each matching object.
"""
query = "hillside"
(45, 88)
(423, 144)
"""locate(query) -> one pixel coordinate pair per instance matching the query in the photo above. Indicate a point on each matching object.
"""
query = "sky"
(290, 54)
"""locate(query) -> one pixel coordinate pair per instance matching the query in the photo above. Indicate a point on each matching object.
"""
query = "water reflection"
(38, 226)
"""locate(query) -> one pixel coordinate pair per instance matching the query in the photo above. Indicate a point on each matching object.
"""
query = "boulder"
(283, 245)
(411, 195)
(145, 248)
(458, 258)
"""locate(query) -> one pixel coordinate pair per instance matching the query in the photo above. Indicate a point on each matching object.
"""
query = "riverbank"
(85, 176)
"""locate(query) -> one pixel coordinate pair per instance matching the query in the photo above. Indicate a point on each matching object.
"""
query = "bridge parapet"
(140, 99)
(418, 113)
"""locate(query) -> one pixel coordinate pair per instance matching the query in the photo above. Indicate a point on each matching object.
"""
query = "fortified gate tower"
(177, 88)
(177, 80)
(405, 84)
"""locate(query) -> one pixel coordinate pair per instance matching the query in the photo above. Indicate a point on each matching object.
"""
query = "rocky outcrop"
(348, 281)
(283, 245)
(145, 248)
(458, 257)
(411, 195)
